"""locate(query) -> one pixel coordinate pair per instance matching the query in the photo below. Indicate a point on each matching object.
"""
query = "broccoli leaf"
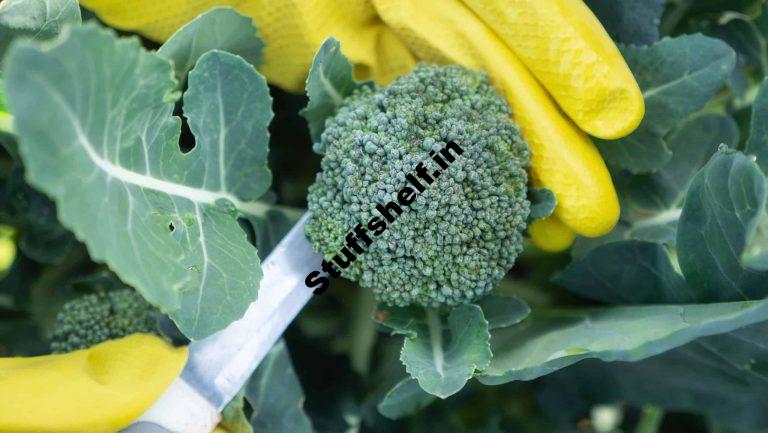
(163, 220)
(677, 77)
(276, 396)
(721, 225)
(41, 237)
(330, 81)
(550, 339)
(722, 208)
(501, 311)
(628, 272)
(757, 144)
(543, 202)
(441, 353)
(755, 254)
(219, 28)
(643, 151)
(406, 398)
(743, 35)
(652, 203)
(721, 376)
(36, 19)
(629, 21)
(233, 416)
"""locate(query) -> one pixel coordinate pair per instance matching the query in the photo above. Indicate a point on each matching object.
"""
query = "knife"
(220, 364)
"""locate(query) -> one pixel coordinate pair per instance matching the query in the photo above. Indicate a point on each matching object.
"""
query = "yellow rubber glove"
(556, 65)
(292, 29)
(551, 235)
(97, 390)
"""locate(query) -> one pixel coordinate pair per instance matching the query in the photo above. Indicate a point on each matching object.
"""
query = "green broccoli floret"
(460, 236)
(95, 318)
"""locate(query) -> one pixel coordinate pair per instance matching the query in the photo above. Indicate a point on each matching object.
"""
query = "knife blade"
(220, 364)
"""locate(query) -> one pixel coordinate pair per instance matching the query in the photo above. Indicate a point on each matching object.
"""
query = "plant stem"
(673, 18)
(436, 338)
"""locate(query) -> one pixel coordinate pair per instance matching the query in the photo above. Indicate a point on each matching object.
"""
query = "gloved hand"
(559, 70)
(97, 390)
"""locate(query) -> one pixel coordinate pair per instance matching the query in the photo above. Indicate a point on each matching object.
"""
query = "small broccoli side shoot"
(95, 318)
(460, 236)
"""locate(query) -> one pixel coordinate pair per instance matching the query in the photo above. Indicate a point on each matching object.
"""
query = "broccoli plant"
(464, 229)
(178, 168)
(98, 317)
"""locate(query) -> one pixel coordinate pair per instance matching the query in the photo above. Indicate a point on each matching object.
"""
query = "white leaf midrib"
(196, 195)
(329, 88)
(436, 339)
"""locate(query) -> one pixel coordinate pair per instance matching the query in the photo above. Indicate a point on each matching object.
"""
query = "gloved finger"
(154, 19)
(551, 235)
(563, 158)
(568, 51)
(97, 390)
(293, 30)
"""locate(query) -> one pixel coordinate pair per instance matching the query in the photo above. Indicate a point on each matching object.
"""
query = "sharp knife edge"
(220, 364)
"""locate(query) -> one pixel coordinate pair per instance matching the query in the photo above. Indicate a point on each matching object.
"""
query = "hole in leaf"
(171, 227)
(186, 138)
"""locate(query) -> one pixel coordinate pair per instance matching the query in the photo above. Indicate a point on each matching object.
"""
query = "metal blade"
(145, 427)
(219, 365)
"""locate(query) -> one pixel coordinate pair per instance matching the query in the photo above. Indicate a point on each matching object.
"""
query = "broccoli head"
(461, 234)
(95, 318)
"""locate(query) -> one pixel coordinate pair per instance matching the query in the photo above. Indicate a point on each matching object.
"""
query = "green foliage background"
(661, 325)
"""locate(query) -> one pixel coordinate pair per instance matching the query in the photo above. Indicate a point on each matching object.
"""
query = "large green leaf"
(406, 398)
(219, 29)
(755, 254)
(41, 236)
(720, 248)
(722, 208)
(745, 37)
(550, 339)
(502, 311)
(107, 152)
(643, 151)
(723, 377)
(651, 204)
(36, 19)
(276, 396)
(757, 143)
(628, 272)
(677, 77)
(629, 21)
(330, 81)
(442, 353)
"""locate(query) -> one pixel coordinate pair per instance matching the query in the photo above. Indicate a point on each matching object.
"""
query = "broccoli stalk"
(95, 318)
(460, 235)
